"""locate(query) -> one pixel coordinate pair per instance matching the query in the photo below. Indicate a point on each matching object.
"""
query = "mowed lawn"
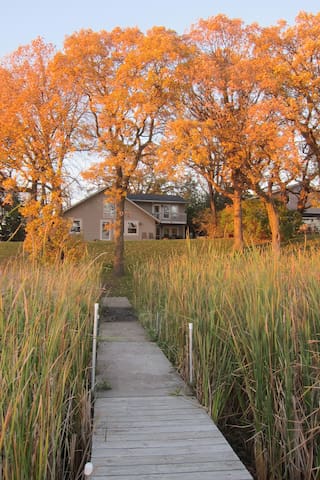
(143, 250)
(137, 253)
(134, 250)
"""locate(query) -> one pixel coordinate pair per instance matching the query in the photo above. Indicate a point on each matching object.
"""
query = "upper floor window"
(174, 211)
(109, 210)
(156, 210)
(166, 211)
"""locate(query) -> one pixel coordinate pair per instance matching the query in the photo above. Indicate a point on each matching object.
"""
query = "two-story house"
(146, 217)
(168, 210)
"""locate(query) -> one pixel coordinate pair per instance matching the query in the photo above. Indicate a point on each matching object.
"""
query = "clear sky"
(23, 20)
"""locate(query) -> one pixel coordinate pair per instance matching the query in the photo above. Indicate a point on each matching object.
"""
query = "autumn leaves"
(238, 104)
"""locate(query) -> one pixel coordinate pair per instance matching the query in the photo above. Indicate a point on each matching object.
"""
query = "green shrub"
(256, 223)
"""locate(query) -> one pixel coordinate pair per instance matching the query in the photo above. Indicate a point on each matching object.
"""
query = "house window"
(166, 211)
(109, 210)
(76, 226)
(156, 211)
(174, 211)
(105, 233)
(132, 227)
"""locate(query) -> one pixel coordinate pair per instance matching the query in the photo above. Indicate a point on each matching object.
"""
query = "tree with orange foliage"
(42, 120)
(127, 78)
(228, 129)
(290, 58)
(8, 165)
(209, 133)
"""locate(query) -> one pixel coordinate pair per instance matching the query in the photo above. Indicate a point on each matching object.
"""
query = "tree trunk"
(237, 219)
(34, 190)
(273, 217)
(303, 196)
(213, 209)
(118, 267)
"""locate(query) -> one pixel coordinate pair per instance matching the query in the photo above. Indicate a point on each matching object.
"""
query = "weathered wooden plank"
(218, 475)
(168, 415)
(152, 420)
(141, 413)
(104, 450)
(156, 443)
(175, 459)
(213, 466)
(148, 401)
(188, 399)
(152, 424)
(147, 435)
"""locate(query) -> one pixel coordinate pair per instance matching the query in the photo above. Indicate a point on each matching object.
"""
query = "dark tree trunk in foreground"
(237, 219)
(274, 226)
(118, 266)
(213, 209)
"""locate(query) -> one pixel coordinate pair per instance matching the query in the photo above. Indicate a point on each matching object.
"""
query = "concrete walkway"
(147, 425)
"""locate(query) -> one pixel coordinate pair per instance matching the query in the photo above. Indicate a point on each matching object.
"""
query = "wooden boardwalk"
(148, 425)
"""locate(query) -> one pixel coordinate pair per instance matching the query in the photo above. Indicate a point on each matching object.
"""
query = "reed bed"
(256, 343)
(45, 343)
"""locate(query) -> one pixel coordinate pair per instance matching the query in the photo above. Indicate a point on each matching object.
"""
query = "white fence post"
(94, 345)
(190, 354)
(88, 469)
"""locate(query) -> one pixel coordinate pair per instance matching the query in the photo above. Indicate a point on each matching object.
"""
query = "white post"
(94, 345)
(88, 469)
(190, 354)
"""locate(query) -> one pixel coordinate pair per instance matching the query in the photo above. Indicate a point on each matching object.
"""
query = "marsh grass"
(45, 342)
(256, 346)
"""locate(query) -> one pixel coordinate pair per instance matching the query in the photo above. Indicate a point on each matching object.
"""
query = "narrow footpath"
(147, 424)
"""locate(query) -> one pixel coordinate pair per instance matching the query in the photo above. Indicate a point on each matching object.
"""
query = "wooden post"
(190, 354)
(94, 345)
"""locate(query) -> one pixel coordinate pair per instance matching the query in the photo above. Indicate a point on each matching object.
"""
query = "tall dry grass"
(256, 346)
(45, 342)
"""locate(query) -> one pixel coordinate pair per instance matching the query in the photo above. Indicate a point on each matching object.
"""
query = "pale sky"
(23, 20)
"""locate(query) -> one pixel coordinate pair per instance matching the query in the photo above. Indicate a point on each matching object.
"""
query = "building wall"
(312, 224)
(92, 213)
(146, 225)
(148, 206)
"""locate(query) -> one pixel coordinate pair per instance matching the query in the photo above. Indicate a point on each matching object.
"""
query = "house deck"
(148, 425)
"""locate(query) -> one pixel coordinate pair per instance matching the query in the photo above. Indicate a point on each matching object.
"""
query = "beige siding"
(148, 206)
(91, 214)
(146, 227)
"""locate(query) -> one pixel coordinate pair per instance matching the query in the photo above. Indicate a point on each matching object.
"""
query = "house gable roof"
(84, 199)
(142, 210)
(136, 198)
(127, 199)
